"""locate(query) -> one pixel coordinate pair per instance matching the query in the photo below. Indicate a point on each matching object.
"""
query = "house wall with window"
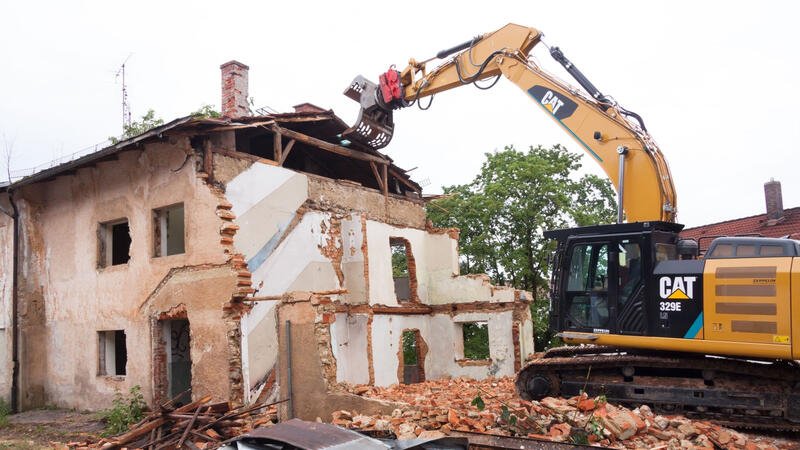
(108, 249)
(211, 256)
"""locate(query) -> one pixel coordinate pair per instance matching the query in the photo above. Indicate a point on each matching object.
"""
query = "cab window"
(587, 286)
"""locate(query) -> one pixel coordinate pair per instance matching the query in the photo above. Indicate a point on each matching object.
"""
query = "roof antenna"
(126, 107)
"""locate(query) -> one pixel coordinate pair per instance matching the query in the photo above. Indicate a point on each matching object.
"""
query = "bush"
(127, 410)
(5, 410)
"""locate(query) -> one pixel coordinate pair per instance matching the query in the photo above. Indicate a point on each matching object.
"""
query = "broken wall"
(67, 297)
(300, 232)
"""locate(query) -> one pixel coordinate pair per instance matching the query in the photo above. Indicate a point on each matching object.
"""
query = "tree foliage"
(502, 213)
(476, 340)
(207, 111)
(399, 260)
(410, 353)
(137, 127)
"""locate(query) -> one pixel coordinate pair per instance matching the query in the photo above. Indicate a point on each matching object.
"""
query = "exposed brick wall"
(234, 89)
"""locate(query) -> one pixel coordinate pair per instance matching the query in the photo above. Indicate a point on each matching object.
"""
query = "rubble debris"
(452, 405)
(197, 425)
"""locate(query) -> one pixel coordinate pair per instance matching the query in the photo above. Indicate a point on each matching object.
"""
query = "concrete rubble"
(443, 406)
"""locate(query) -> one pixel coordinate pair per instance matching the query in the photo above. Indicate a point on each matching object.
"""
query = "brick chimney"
(774, 199)
(234, 89)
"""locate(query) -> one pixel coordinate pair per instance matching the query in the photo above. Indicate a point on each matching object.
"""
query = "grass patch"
(5, 410)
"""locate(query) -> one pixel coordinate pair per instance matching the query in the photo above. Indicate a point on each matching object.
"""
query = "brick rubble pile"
(439, 407)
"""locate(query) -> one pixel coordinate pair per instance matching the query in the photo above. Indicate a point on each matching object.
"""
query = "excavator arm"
(613, 137)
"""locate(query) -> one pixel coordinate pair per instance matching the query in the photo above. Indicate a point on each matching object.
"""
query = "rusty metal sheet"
(480, 441)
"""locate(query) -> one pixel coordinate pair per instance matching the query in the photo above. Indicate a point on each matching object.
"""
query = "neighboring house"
(775, 222)
(243, 258)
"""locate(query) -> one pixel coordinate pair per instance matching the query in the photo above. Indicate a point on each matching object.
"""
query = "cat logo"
(559, 105)
(552, 102)
(676, 288)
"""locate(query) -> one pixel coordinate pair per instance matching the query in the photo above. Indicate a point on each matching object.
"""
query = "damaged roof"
(313, 145)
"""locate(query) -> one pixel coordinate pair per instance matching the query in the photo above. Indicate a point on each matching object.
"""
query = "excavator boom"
(614, 137)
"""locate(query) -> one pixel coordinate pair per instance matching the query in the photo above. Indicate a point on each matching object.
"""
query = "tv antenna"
(126, 107)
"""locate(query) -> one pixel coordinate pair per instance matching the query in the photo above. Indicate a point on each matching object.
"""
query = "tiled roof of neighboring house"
(758, 225)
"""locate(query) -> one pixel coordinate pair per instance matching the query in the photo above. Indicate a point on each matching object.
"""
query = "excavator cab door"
(603, 284)
(587, 300)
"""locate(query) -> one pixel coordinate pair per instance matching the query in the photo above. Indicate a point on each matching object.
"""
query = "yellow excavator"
(646, 320)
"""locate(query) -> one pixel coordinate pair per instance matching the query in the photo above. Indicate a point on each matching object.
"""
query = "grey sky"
(716, 82)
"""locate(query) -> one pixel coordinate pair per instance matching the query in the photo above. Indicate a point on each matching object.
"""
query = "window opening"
(476, 340)
(630, 269)
(400, 249)
(115, 243)
(112, 353)
(169, 230)
(587, 286)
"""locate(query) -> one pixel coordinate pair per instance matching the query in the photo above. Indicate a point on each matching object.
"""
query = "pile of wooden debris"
(197, 425)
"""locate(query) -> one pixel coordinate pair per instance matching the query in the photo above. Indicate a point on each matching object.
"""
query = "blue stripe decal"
(261, 256)
(695, 328)
(591, 152)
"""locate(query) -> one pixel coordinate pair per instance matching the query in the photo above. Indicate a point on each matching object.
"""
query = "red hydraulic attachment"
(391, 90)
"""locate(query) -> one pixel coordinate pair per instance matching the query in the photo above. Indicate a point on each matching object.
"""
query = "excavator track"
(733, 392)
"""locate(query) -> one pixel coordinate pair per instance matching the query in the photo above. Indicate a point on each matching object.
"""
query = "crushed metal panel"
(322, 436)
(311, 436)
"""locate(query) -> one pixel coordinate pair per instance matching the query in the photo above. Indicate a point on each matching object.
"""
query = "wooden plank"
(277, 144)
(208, 160)
(286, 151)
(377, 175)
(385, 186)
(333, 148)
(136, 433)
(189, 427)
(404, 181)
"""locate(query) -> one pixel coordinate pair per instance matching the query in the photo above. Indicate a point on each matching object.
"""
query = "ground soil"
(48, 428)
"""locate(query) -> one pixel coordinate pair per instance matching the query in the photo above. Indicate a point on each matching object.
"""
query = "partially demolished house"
(245, 258)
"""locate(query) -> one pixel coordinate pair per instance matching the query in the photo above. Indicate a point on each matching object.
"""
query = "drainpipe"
(290, 403)
(14, 323)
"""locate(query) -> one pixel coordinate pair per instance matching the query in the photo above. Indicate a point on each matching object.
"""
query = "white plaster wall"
(442, 334)
(298, 263)
(349, 344)
(259, 343)
(6, 270)
(6, 281)
(265, 199)
(526, 339)
(353, 262)
(381, 283)
(436, 258)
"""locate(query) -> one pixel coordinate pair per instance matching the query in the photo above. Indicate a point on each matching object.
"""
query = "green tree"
(476, 340)
(503, 212)
(207, 111)
(137, 127)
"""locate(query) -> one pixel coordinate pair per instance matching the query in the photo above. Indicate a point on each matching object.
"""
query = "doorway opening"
(412, 357)
(173, 361)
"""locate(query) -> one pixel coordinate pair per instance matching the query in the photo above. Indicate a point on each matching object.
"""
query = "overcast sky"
(716, 82)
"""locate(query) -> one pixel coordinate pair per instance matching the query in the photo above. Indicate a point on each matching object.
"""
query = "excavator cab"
(603, 275)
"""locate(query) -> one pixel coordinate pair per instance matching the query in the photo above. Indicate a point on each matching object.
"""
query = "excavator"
(645, 319)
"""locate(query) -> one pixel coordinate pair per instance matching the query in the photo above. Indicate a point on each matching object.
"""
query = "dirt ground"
(47, 429)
